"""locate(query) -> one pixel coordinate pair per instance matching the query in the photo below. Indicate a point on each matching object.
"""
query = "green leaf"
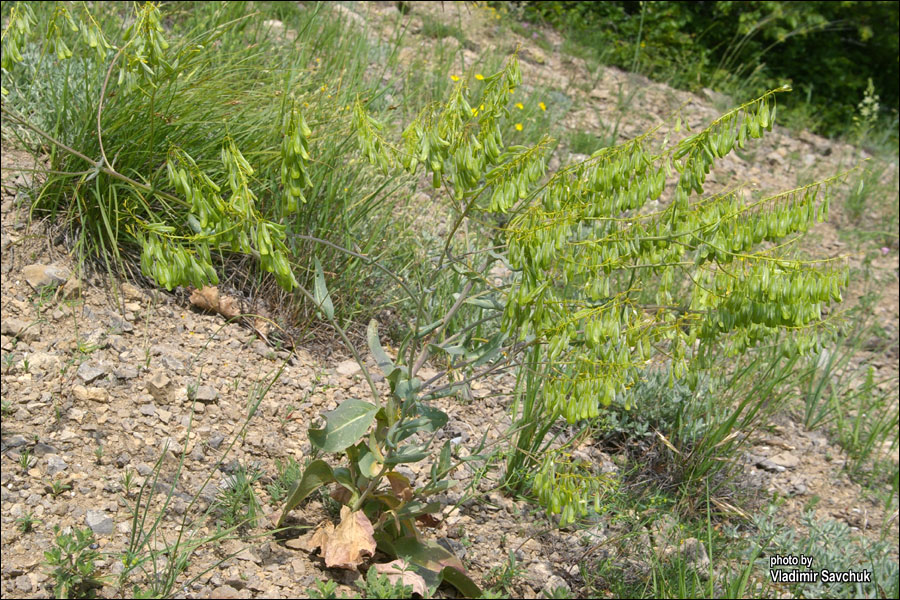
(381, 358)
(436, 418)
(317, 474)
(344, 426)
(411, 454)
(323, 299)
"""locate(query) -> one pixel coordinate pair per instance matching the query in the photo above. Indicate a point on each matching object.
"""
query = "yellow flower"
(520, 106)
(454, 78)
(542, 106)
(519, 127)
(481, 107)
(323, 88)
(479, 76)
(643, 44)
(474, 112)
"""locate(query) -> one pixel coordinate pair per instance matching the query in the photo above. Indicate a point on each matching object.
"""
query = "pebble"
(99, 522)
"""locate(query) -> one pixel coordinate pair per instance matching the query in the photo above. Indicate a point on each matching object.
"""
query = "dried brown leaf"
(208, 298)
(350, 542)
(400, 486)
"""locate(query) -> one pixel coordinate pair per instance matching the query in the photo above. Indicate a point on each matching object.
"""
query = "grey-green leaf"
(344, 426)
(317, 474)
(323, 299)
(384, 361)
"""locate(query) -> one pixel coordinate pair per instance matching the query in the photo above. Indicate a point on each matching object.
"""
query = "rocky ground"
(101, 378)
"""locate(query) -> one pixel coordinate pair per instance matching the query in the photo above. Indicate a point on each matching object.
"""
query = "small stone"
(172, 364)
(90, 393)
(206, 394)
(99, 522)
(14, 441)
(553, 585)
(539, 573)
(224, 591)
(158, 386)
(348, 368)
(23, 584)
(131, 292)
(41, 449)
(216, 440)
(20, 329)
(72, 289)
(786, 460)
(125, 373)
(774, 158)
(148, 410)
(55, 464)
(89, 372)
(694, 553)
(39, 276)
(117, 323)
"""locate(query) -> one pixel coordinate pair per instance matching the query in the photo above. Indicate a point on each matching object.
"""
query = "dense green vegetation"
(828, 51)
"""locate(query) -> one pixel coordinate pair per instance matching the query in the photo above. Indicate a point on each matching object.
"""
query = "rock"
(206, 394)
(41, 449)
(554, 583)
(216, 440)
(27, 332)
(117, 323)
(774, 158)
(694, 553)
(158, 386)
(55, 464)
(778, 463)
(99, 522)
(39, 276)
(224, 591)
(23, 584)
(786, 460)
(72, 289)
(539, 573)
(125, 372)
(348, 367)
(348, 14)
(90, 393)
(89, 372)
(172, 364)
(131, 292)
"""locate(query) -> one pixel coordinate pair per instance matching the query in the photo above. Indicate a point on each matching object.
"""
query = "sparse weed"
(377, 585)
(236, 504)
(72, 560)
(27, 522)
(288, 472)
(57, 487)
(26, 459)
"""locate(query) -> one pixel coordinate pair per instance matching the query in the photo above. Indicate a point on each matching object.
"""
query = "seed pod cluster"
(569, 488)
(146, 48)
(294, 156)
(18, 28)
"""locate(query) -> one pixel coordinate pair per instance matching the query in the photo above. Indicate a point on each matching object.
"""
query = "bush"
(828, 50)
(193, 153)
